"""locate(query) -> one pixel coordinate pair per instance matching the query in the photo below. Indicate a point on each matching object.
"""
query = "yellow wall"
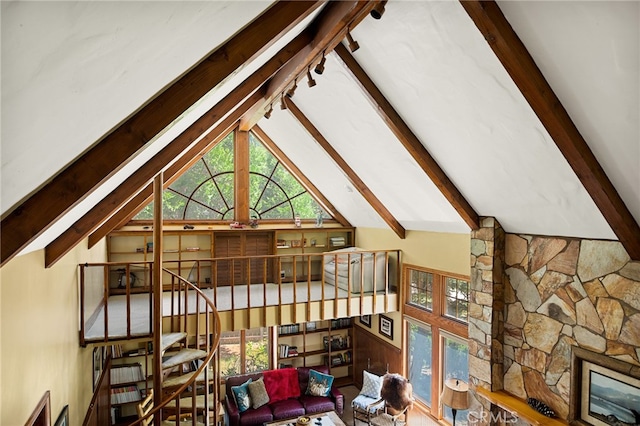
(444, 252)
(39, 346)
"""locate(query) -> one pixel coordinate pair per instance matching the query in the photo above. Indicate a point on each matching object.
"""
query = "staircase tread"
(184, 355)
(180, 380)
(169, 339)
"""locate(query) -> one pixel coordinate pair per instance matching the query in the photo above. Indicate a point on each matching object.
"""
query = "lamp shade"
(455, 394)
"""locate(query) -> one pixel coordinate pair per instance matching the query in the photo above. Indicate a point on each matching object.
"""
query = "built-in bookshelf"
(326, 342)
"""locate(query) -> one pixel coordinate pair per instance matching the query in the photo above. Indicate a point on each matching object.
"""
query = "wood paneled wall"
(374, 354)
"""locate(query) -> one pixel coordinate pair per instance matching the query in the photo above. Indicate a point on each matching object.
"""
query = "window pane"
(456, 297)
(230, 353)
(419, 353)
(455, 366)
(421, 289)
(257, 349)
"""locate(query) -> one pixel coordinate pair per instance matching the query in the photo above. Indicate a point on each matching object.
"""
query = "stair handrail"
(205, 365)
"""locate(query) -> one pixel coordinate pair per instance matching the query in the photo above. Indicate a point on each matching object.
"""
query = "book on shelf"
(287, 351)
(341, 323)
(126, 374)
(289, 329)
(125, 394)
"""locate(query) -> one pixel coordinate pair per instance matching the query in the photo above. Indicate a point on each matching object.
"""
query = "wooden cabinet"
(316, 343)
(243, 243)
(308, 241)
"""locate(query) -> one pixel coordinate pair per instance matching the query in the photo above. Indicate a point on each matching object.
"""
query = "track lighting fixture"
(320, 67)
(293, 88)
(267, 114)
(378, 11)
(310, 81)
(353, 45)
(282, 104)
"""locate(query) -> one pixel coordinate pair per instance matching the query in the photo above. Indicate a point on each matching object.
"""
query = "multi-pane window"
(436, 310)
(421, 289)
(207, 189)
(456, 298)
(244, 351)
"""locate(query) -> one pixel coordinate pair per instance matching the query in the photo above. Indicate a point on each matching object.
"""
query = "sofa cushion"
(319, 384)
(258, 393)
(303, 375)
(238, 380)
(241, 396)
(316, 404)
(281, 384)
(257, 416)
(287, 408)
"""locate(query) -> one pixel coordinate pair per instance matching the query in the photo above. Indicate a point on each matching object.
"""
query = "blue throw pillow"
(241, 395)
(319, 384)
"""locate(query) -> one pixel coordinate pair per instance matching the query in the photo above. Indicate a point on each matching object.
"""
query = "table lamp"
(455, 396)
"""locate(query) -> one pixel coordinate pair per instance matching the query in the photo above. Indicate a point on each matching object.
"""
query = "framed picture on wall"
(97, 365)
(366, 320)
(386, 327)
(63, 418)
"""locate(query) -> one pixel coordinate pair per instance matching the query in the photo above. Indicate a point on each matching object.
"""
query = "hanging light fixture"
(320, 67)
(282, 104)
(353, 45)
(378, 10)
(293, 88)
(267, 114)
(310, 81)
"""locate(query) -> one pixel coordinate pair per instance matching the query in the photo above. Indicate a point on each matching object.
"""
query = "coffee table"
(330, 418)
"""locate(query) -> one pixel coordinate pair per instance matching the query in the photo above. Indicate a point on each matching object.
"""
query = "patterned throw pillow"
(371, 385)
(258, 393)
(241, 395)
(319, 384)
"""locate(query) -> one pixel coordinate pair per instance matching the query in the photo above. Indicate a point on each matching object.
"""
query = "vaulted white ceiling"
(71, 71)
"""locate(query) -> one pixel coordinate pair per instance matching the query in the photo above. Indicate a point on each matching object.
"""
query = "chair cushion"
(319, 384)
(256, 416)
(371, 385)
(258, 393)
(242, 397)
(362, 402)
(287, 408)
(316, 404)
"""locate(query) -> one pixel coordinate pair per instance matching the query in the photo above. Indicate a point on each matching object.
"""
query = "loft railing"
(115, 298)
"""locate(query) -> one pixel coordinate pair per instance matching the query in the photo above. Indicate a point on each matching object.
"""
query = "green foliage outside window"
(206, 190)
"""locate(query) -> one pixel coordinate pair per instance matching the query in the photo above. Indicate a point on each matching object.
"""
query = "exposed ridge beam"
(408, 139)
(39, 211)
(306, 183)
(185, 161)
(326, 31)
(516, 59)
(348, 171)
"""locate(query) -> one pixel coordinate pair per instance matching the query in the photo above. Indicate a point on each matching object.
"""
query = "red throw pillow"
(281, 384)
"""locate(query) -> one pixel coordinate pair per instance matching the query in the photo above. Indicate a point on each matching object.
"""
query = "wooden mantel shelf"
(519, 408)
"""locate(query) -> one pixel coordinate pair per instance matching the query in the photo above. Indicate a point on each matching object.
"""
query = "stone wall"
(559, 293)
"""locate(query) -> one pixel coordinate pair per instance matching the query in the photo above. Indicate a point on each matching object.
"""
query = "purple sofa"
(288, 408)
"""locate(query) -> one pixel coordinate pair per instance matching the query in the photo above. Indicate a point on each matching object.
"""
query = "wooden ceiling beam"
(516, 59)
(38, 212)
(172, 172)
(297, 173)
(326, 31)
(408, 139)
(362, 188)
